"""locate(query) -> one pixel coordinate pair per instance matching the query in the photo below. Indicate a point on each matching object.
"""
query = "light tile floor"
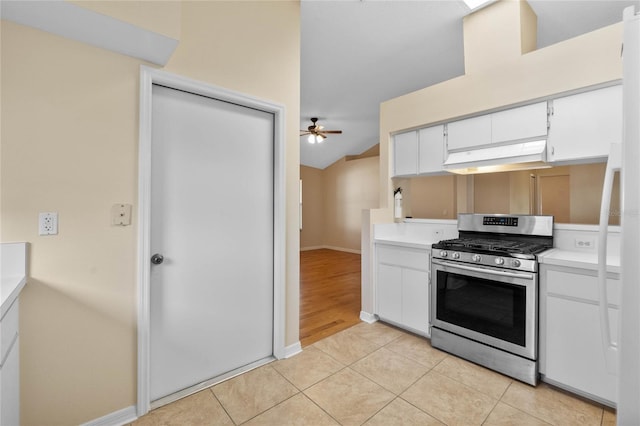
(374, 374)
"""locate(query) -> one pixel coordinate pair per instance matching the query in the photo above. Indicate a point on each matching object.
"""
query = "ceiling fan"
(316, 132)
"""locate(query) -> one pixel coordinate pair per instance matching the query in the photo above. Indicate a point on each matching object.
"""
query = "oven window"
(488, 307)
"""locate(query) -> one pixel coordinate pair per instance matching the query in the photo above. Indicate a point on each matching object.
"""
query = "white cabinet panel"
(403, 256)
(430, 149)
(10, 388)
(415, 299)
(525, 122)
(389, 293)
(405, 154)
(470, 132)
(9, 328)
(402, 287)
(584, 125)
(581, 286)
(574, 353)
(10, 371)
(571, 352)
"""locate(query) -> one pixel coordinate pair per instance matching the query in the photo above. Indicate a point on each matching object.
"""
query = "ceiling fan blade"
(304, 133)
(335, 132)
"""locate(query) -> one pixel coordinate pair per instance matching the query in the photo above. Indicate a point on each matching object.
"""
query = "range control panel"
(500, 221)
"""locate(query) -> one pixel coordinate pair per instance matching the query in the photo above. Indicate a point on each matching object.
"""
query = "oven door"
(497, 307)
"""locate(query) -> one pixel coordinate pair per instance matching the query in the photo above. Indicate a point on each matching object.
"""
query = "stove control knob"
(499, 261)
(476, 258)
(456, 255)
(515, 262)
(443, 253)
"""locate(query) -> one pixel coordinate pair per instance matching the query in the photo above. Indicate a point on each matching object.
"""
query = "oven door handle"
(484, 270)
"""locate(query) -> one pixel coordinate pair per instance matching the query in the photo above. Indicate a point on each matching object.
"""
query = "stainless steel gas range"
(485, 291)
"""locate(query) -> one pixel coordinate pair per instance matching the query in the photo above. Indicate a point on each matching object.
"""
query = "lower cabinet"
(10, 368)
(402, 287)
(571, 349)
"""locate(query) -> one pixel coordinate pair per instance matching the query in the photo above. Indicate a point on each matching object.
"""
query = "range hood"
(501, 158)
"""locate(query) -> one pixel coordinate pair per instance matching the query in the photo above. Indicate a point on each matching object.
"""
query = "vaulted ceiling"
(357, 54)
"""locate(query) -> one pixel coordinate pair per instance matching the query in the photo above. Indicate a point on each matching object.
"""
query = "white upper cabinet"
(583, 126)
(519, 123)
(514, 124)
(418, 152)
(431, 149)
(470, 132)
(405, 154)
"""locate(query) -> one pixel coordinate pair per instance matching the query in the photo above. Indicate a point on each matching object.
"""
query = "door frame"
(148, 77)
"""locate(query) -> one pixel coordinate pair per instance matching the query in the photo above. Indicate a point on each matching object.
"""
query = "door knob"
(157, 259)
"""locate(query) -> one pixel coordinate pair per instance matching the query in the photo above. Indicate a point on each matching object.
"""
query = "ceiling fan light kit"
(315, 138)
(316, 132)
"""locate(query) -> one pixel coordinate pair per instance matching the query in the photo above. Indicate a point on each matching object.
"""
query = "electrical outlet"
(585, 243)
(48, 223)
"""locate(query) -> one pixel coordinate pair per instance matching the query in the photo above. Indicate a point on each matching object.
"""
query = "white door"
(212, 204)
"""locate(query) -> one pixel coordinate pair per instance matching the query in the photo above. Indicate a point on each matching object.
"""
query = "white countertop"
(578, 259)
(415, 233)
(421, 234)
(406, 241)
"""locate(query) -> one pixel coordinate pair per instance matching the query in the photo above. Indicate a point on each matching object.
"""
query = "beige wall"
(491, 193)
(515, 192)
(333, 200)
(430, 197)
(69, 144)
(311, 235)
(349, 187)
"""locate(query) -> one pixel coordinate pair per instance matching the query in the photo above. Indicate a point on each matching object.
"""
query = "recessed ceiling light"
(477, 4)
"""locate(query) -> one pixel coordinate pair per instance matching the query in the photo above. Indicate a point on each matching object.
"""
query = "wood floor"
(329, 293)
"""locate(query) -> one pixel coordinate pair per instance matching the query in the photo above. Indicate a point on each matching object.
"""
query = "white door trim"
(148, 77)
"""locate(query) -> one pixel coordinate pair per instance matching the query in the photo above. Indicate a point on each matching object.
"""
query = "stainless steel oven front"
(486, 314)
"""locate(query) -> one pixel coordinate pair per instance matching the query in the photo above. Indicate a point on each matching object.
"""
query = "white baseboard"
(117, 418)
(342, 249)
(292, 350)
(367, 317)
(331, 248)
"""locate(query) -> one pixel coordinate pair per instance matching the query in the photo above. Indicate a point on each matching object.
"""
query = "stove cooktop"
(499, 247)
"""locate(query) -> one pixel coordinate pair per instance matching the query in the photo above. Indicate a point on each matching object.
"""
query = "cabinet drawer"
(8, 329)
(402, 256)
(581, 286)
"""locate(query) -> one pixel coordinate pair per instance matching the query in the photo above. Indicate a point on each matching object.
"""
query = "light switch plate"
(121, 214)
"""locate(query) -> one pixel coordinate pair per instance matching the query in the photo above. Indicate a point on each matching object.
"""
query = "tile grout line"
(222, 405)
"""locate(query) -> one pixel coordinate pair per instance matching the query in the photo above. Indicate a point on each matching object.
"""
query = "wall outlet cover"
(48, 223)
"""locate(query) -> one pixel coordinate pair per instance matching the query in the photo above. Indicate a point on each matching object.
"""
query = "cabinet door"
(389, 293)
(405, 154)
(415, 299)
(10, 388)
(583, 126)
(468, 133)
(525, 122)
(431, 149)
(574, 355)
